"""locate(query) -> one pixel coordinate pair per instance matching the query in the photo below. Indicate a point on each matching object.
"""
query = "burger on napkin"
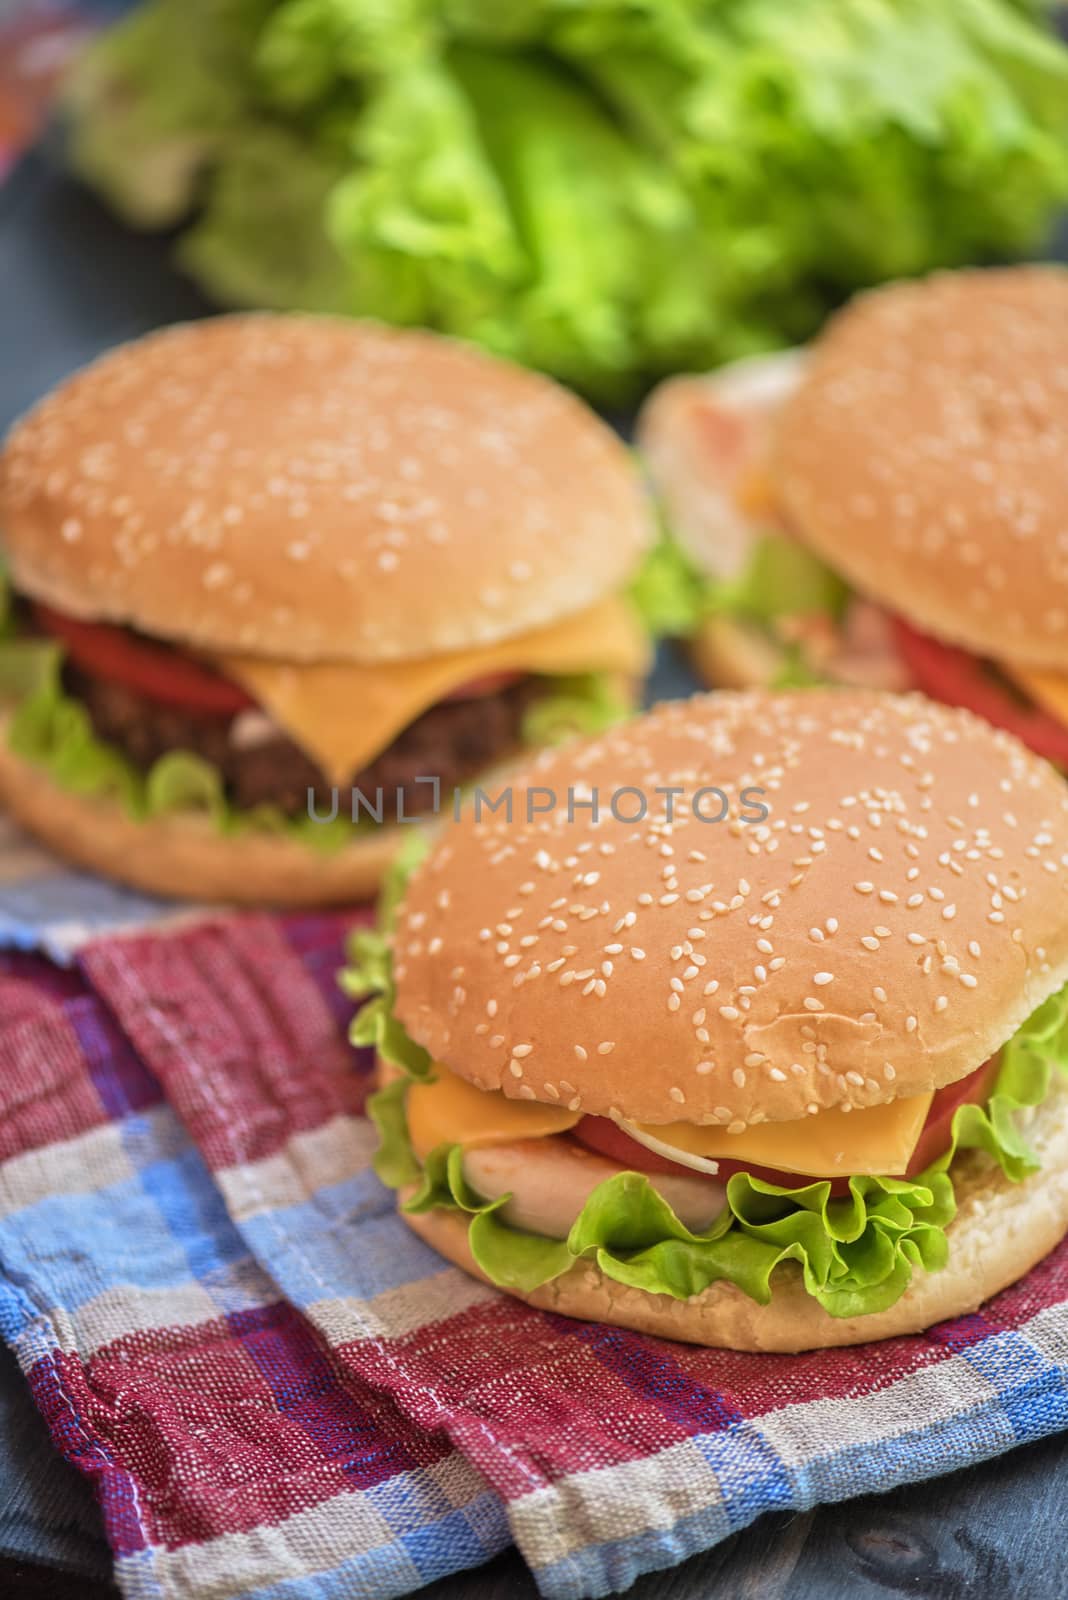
(260, 562)
(779, 1070)
(890, 507)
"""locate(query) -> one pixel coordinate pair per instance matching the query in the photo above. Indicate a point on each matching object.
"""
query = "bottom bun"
(728, 653)
(185, 856)
(1000, 1231)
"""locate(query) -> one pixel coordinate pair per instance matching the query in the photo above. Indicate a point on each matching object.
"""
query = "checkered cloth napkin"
(278, 1391)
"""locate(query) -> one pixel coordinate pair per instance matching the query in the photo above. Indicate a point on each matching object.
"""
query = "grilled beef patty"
(453, 741)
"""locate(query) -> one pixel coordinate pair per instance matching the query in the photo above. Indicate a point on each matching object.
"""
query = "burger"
(888, 508)
(780, 1071)
(278, 585)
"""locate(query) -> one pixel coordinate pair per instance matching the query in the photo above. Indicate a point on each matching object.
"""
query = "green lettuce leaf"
(368, 975)
(310, 47)
(606, 188)
(857, 1252)
(259, 239)
(582, 703)
(156, 98)
(670, 595)
(780, 579)
(795, 672)
(618, 276)
(421, 217)
(395, 1161)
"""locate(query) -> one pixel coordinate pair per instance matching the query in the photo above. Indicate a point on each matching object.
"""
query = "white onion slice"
(670, 1151)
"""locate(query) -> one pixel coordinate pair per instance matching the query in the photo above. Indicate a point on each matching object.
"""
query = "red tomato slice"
(959, 679)
(481, 688)
(153, 670)
(608, 1139)
(971, 1090)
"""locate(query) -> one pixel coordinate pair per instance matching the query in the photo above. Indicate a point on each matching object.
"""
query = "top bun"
(902, 910)
(311, 488)
(924, 456)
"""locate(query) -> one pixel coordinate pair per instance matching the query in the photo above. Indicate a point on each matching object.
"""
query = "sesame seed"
(606, 1047)
(822, 978)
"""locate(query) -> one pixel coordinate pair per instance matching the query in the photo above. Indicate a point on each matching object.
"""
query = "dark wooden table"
(71, 283)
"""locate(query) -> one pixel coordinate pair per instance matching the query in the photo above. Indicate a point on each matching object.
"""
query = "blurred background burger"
(887, 508)
(258, 562)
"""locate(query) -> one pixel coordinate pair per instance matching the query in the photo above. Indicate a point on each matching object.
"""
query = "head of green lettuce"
(784, 1265)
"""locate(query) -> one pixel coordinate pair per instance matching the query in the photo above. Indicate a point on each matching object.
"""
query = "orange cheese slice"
(343, 714)
(830, 1144)
(452, 1111)
(1049, 689)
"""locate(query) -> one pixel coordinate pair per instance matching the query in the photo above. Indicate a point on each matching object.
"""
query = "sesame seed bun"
(310, 488)
(900, 912)
(923, 457)
(185, 855)
(1001, 1230)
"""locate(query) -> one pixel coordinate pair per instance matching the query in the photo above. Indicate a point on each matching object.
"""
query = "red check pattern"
(315, 1356)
